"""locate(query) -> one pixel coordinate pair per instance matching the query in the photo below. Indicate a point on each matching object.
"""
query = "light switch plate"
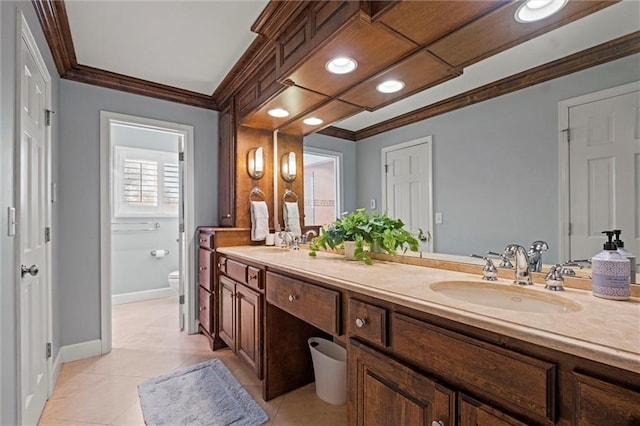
(373, 204)
(11, 216)
(438, 218)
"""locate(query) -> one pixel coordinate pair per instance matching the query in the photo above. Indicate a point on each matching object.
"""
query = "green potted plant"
(364, 231)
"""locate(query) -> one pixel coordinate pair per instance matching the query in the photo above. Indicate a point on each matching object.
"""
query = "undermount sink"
(504, 296)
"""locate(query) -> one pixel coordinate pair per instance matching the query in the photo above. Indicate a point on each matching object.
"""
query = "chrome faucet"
(286, 238)
(535, 255)
(306, 236)
(504, 260)
(522, 276)
(555, 277)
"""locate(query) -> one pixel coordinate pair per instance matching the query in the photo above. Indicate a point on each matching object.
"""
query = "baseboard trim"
(81, 350)
(55, 371)
(139, 296)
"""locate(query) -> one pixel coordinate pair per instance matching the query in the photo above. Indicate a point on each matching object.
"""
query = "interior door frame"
(383, 157)
(24, 33)
(563, 144)
(338, 172)
(106, 119)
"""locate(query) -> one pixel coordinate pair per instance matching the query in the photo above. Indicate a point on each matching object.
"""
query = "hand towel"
(292, 218)
(259, 220)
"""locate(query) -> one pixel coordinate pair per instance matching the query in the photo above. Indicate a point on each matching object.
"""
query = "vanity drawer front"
(204, 306)
(598, 402)
(254, 278)
(237, 271)
(205, 257)
(316, 305)
(522, 383)
(206, 240)
(368, 322)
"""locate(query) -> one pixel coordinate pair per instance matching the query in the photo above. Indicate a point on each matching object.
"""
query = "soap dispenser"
(620, 244)
(610, 271)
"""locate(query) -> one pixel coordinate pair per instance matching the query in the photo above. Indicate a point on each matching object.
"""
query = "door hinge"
(570, 227)
(47, 234)
(386, 168)
(48, 350)
(568, 132)
(47, 116)
(181, 156)
(181, 299)
(181, 227)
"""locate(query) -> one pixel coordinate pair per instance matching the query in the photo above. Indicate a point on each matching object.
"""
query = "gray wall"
(495, 164)
(80, 107)
(8, 366)
(348, 150)
(133, 268)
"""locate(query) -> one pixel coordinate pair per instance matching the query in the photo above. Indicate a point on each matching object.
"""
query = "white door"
(604, 173)
(33, 316)
(408, 184)
(181, 237)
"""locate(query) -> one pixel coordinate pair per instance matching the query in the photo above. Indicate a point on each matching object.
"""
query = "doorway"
(407, 185)
(147, 216)
(33, 217)
(600, 170)
(322, 186)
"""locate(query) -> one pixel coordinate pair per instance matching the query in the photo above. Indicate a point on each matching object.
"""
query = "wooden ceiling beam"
(55, 25)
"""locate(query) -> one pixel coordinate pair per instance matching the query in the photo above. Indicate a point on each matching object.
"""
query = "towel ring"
(256, 194)
(290, 193)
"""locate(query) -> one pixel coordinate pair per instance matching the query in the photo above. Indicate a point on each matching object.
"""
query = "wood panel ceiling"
(388, 39)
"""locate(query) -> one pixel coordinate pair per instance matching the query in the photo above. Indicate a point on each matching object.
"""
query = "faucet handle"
(555, 278)
(489, 272)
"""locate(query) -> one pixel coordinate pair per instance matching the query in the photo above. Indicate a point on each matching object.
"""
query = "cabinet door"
(474, 413)
(227, 311)
(248, 326)
(226, 167)
(383, 391)
(204, 310)
(205, 259)
(598, 403)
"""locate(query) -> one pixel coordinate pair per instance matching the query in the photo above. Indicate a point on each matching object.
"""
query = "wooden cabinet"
(383, 391)
(474, 413)
(206, 293)
(241, 321)
(598, 402)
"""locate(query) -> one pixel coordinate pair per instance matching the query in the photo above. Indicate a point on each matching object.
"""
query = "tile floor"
(146, 342)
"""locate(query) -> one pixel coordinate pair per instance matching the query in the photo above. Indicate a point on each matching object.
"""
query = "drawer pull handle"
(361, 322)
(437, 423)
(253, 277)
(202, 308)
(292, 298)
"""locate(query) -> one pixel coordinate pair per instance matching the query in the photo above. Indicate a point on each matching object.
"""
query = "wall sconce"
(255, 163)
(288, 167)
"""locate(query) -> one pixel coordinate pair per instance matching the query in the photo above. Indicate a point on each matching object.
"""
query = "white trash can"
(330, 370)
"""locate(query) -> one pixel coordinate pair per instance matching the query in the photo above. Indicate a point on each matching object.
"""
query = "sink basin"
(504, 296)
(270, 249)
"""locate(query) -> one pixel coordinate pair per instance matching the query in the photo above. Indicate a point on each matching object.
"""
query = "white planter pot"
(349, 249)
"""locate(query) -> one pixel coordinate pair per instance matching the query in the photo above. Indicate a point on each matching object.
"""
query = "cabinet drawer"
(236, 270)
(222, 264)
(205, 240)
(205, 259)
(254, 277)
(204, 312)
(316, 305)
(522, 383)
(598, 403)
(368, 322)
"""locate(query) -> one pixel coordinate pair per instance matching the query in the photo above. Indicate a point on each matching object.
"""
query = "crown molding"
(597, 55)
(55, 25)
(338, 132)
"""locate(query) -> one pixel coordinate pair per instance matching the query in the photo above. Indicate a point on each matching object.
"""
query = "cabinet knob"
(202, 308)
(226, 216)
(437, 423)
(292, 298)
(361, 322)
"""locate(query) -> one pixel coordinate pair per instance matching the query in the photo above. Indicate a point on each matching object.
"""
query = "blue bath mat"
(202, 394)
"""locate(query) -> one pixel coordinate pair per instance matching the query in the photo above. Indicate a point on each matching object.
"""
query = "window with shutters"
(146, 183)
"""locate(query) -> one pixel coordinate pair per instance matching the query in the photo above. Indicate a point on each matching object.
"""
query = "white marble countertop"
(602, 330)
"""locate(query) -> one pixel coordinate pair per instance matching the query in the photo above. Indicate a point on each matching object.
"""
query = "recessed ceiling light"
(341, 65)
(278, 112)
(312, 121)
(535, 10)
(390, 86)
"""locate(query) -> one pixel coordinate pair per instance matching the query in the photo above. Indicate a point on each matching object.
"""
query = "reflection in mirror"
(288, 167)
(321, 186)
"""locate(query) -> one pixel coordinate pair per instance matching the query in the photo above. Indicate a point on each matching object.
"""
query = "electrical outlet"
(438, 218)
(373, 204)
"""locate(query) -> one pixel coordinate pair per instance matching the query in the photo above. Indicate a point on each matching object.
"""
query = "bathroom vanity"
(419, 356)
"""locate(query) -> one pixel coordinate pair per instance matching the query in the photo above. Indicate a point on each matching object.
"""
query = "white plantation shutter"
(146, 183)
(140, 183)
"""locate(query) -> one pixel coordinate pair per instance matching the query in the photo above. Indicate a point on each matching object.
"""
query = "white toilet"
(174, 280)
